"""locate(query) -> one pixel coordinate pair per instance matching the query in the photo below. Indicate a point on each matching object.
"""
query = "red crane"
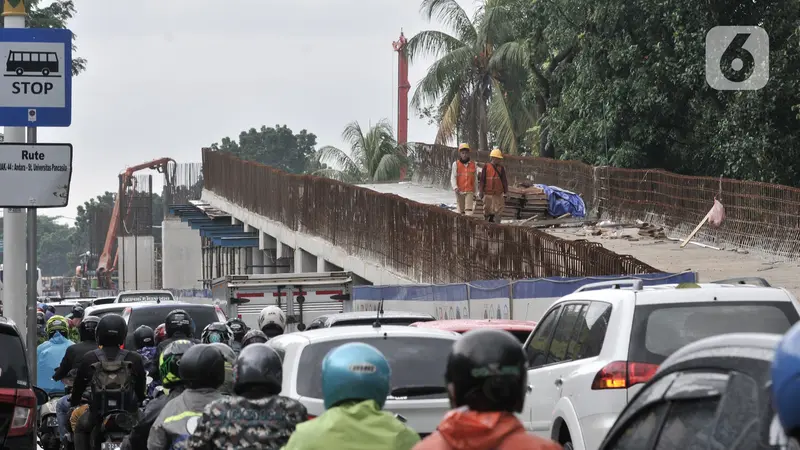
(403, 86)
(105, 267)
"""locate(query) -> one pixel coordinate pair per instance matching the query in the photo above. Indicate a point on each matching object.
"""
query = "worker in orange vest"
(493, 186)
(464, 180)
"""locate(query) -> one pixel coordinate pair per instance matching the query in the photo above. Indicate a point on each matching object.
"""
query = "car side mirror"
(41, 396)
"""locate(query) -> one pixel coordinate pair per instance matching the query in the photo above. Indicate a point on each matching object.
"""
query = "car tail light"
(623, 374)
(24, 401)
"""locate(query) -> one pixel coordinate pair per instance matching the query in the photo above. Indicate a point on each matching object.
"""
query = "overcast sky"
(165, 78)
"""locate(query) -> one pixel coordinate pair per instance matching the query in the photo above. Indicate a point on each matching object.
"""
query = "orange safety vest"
(494, 185)
(465, 176)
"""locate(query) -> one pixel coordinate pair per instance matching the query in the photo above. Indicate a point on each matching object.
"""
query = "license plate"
(52, 422)
(109, 446)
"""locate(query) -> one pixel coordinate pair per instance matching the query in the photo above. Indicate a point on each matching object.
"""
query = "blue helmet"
(786, 380)
(355, 371)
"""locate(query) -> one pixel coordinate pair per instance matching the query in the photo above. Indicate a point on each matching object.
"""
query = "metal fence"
(760, 216)
(426, 243)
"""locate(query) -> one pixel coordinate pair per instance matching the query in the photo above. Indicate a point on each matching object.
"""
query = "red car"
(519, 328)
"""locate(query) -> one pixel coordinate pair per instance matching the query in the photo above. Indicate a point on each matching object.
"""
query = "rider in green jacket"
(355, 384)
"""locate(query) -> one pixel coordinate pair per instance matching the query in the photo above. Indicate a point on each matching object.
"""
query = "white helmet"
(272, 315)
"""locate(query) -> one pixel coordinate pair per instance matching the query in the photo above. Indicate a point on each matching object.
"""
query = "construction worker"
(493, 186)
(464, 180)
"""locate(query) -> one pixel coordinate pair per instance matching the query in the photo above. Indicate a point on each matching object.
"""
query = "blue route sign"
(36, 82)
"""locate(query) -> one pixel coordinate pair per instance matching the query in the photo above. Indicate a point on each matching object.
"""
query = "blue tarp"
(561, 201)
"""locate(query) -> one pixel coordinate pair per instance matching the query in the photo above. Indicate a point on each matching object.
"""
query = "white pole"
(14, 283)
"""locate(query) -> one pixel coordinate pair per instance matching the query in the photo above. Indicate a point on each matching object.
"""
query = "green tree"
(480, 67)
(374, 156)
(278, 147)
(55, 14)
(54, 247)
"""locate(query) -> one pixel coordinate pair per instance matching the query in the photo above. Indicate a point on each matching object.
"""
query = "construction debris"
(648, 230)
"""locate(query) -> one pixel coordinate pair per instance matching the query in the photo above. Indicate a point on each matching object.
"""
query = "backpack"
(112, 384)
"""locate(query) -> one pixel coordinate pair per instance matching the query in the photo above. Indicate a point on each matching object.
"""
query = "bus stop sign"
(36, 86)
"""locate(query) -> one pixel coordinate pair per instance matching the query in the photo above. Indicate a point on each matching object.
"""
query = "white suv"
(595, 348)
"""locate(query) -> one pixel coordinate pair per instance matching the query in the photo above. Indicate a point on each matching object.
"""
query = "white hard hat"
(272, 315)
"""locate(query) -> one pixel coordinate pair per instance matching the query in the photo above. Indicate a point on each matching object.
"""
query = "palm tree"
(477, 66)
(374, 156)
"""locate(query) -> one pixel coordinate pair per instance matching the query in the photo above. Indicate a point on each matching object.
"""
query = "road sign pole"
(33, 278)
(14, 304)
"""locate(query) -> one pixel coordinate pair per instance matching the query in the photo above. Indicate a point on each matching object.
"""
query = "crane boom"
(105, 265)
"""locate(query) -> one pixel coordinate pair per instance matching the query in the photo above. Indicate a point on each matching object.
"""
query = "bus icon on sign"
(32, 64)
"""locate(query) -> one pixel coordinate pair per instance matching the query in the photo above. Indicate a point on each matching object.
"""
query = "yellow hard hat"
(496, 153)
(463, 146)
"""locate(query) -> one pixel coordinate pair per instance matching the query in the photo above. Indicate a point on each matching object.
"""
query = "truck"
(302, 296)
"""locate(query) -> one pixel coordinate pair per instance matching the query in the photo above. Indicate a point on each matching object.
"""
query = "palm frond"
(339, 175)
(441, 75)
(430, 43)
(509, 56)
(452, 15)
(337, 159)
(501, 121)
(389, 167)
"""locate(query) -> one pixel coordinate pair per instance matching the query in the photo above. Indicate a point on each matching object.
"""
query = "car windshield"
(138, 297)
(415, 361)
(13, 369)
(155, 315)
(660, 330)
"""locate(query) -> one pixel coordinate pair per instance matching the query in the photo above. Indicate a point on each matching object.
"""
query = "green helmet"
(56, 324)
(169, 361)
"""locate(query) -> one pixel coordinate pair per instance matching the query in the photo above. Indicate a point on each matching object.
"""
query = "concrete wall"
(136, 262)
(182, 255)
(306, 250)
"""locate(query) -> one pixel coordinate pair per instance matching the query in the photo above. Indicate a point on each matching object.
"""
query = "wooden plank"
(697, 228)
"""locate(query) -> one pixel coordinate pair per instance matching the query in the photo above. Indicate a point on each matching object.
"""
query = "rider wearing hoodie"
(202, 369)
(355, 383)
(50, 354)
(486, 381)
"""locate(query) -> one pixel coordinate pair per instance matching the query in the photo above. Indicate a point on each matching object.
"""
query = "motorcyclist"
(217, 332)
(178, 325)
(160, 334)
(239, 329)
(69, 367)
(785, 385)
(230, 358)
(355, 383)
(111, 333)
(256, 417)
(202, 368)
(74, 320)
(254, 337)
(41, 334)
(144, 340)
(272, 321)
(486, 380)
(50, 353)
(173, 385)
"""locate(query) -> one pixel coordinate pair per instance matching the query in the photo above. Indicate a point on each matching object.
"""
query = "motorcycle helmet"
(179, 324)
(56, 324)
(355, 371)
(254, 337)
(202, 366)
(272, 321)
(217, 332)
(160, 334)
(488, 371)
(111, 330)
(258, 366)
(144, 337)
(40, 318)
(169, 361)
(238, 327)
(88, 327)
(77, 312)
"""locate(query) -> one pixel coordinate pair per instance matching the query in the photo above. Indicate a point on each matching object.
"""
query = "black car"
(368, 318)
(18, 398)
(153, 314)
(712, 394)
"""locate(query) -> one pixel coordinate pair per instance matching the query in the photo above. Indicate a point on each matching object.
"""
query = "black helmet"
(179, 324)
(169, 361)
(202, 366)
(111, 330)
(238, 327)
(40, 317)
(254, 337)
(77, 312)
(51, 308)
(88, 327)
(144, 337)
(217, 332)
(488, 371)
(258, 365)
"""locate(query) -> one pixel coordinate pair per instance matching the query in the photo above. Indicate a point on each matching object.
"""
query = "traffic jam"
(277, 361)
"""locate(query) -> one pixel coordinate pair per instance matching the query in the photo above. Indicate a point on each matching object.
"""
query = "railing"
(425, 243)
(760, 216)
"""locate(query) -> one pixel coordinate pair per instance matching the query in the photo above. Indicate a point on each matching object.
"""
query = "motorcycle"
(116, 425)
(48, 424)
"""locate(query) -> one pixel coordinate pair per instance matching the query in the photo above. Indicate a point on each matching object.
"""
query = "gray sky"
(165, 78)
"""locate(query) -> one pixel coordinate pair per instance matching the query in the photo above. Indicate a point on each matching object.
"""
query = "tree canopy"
(54, 14)
(278, 147)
